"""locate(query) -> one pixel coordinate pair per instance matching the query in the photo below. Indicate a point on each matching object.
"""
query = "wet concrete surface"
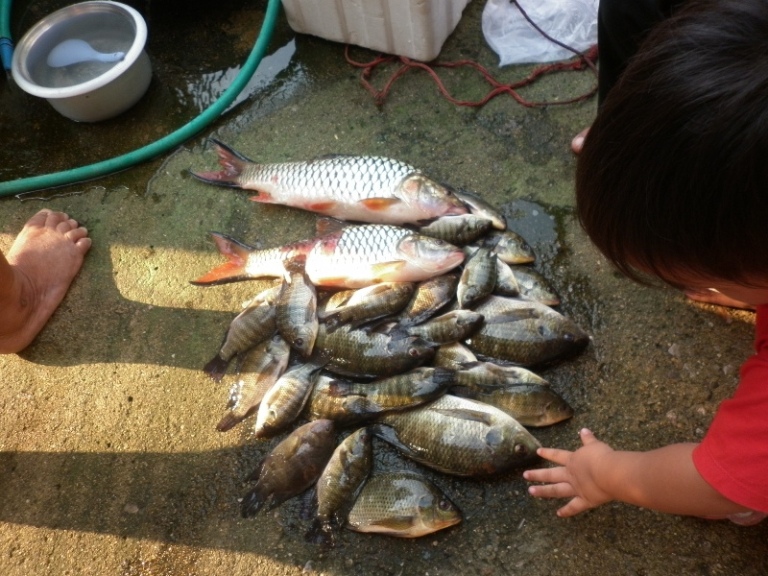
(110, 462)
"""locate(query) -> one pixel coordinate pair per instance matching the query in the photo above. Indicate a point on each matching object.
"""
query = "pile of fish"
(413, 317)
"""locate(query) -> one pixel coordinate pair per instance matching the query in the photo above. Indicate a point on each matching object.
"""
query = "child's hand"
(575, 478)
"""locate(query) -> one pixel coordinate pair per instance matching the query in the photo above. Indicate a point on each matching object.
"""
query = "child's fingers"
(559, 490)
(587, 437)
(554, 455)
(575, 506)
(548, 475)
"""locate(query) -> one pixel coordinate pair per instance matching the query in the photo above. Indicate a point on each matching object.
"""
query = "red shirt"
(733, 457)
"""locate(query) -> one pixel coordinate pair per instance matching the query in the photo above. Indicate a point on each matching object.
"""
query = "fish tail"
(444, 376)
(229, 421)
(233, 270)
(233, 164)
(252, 503)
(321, 533)
(216, 368)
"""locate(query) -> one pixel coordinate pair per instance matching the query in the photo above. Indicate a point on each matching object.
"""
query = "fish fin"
(264, 198)
(380, 204)
(223, 274)
(383, 270)
(511, 316)
(253, 502)
(321, 532)
(232, 163)
(329, 225)
(444, 376)
(389, 435)
(227, 151)
(471, 415)
(319, 206)
(295, 264)
(230, 420)
(237, 254)
(216, 368)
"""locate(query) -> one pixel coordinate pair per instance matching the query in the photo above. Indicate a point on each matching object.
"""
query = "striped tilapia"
(359, 188)
(524, 332)
(459, 436)
(403, 504)
(352, 257)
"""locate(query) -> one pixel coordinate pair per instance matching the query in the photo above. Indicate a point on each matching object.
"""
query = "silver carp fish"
(359, 188)
(352, 257)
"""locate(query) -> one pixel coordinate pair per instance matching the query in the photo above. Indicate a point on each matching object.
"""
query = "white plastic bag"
(572, 22)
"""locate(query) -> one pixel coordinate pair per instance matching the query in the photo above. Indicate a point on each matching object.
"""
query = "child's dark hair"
(673, 177)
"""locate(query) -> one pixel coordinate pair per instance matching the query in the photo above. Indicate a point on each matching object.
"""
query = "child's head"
(673, 177)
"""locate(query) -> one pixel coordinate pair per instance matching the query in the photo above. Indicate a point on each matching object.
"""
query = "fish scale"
(359, 188)
(352, 177)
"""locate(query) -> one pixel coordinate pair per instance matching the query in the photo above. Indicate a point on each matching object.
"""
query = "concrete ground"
(110, 463)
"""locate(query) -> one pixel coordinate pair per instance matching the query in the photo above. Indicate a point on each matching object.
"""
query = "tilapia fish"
(530, 404)
(340, 483)
(291, 467)
(285, 400)
(252, 326)
(403, 504)
(449, 327)
(368, 354)
(459, 436)
(356, 307)
(431, 295)
(359, 188)
(352, 257)
(259, 370)
(348, 403)
(524, 332)
(296, 309)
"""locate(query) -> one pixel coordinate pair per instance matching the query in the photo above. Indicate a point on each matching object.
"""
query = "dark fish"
(449, 327)
(340, 483)
(348, 403)
(458, 230)
(533, 286)
(453, 356)
(524, 332)
(296, 309)
(285, 400)
(478, 279)
(480, 207)
(259, 370)
(431, 295)
(252, 326)
(356, 307)
(530, 404)
(459, 436)
(402, 504)
(291, 467)
(509, 246)
(368, 354)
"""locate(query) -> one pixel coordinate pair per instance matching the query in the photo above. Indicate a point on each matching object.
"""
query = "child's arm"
(664, 479)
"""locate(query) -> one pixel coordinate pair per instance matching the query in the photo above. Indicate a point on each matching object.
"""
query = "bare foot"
(36, 274)
(578, 141)
(712, 296)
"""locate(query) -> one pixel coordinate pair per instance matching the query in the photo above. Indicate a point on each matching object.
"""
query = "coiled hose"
(158, 147)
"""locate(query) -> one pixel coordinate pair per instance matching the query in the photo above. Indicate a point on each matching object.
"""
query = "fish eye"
(521, 449)
(413, 352)
(444, 504)
(298, 341)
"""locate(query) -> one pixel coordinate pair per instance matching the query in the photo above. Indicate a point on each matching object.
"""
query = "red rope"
(583, 62)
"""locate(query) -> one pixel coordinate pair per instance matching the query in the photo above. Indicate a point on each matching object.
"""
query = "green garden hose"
(158, 147)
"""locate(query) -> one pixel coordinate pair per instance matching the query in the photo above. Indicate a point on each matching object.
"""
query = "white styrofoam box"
(413, 28)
